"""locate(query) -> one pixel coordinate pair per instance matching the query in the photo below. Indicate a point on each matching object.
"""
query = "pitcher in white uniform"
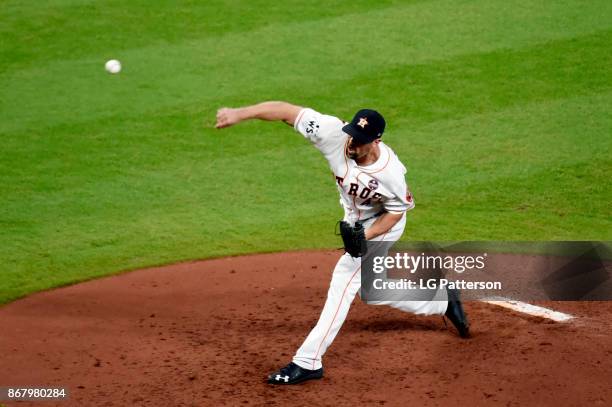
(371, 182)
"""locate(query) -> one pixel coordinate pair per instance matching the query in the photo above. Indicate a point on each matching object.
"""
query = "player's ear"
(377, 141)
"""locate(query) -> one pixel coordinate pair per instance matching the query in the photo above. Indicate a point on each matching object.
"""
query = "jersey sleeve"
(399, 203)
(324, 131)
(399, 199)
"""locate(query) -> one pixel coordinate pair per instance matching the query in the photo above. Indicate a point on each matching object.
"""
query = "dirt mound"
(208, 333)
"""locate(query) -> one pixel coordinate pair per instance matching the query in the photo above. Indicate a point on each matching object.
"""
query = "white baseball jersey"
(365, 191)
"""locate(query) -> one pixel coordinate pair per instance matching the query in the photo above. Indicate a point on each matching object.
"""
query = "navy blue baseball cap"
(367, 125)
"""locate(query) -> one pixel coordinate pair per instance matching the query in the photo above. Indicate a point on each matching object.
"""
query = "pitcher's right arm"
(272, 111)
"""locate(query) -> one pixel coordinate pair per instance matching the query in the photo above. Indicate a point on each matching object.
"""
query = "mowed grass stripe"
(314, 53)
(68, 30)
(564, 202)
(531, 134)
(420, 94)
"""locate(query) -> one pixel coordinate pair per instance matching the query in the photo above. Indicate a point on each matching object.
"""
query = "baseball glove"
(353, 238)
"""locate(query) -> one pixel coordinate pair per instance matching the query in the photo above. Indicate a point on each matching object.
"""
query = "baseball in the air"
(113, 66)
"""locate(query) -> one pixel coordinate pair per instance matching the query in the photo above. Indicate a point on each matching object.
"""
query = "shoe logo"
(279, 377)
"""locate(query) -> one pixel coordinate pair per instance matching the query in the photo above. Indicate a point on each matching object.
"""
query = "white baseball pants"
(345, 283)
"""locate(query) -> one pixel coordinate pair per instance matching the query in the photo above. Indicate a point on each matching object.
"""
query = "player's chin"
(351, 155)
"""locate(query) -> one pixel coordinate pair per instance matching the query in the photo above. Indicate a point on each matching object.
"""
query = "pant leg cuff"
(307, 363)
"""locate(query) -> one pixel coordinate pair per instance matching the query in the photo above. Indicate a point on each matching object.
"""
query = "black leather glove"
(353, 238)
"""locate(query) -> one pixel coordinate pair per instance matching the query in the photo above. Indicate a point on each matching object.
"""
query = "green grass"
(501, 111)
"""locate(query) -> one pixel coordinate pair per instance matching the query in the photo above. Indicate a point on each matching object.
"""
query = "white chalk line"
(530, 309)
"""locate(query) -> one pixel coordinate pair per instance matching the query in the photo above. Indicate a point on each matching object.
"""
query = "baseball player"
(375, 198)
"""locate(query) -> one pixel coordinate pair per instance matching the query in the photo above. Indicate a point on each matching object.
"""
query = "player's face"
(356, 150)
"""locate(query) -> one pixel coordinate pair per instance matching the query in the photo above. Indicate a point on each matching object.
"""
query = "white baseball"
(113, 66)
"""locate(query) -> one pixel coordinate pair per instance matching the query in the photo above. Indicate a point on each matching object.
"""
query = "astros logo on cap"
(362, 122)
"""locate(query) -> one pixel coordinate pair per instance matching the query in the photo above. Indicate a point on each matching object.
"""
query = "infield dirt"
(208, 332)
